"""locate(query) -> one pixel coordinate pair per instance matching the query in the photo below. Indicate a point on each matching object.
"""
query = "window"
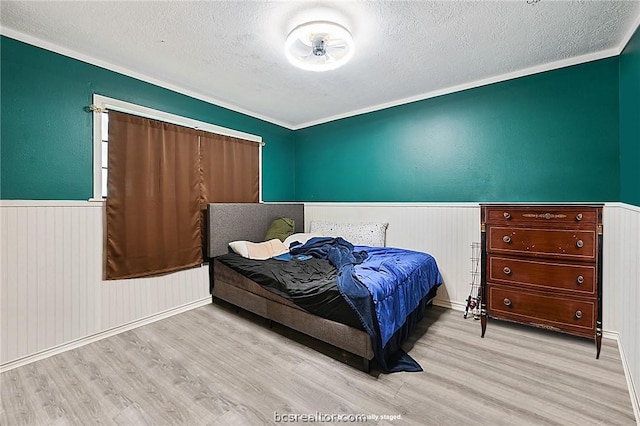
(157, 172)
(104, 152)
(101, 138)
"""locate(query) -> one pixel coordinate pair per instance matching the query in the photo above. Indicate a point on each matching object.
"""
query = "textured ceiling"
(231, 53)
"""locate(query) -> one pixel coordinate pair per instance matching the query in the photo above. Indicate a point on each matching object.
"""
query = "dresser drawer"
(553, 312)
(569, 216)
(545, 275)
(571, 244)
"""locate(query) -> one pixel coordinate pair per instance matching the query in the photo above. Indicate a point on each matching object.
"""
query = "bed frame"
(250, 222)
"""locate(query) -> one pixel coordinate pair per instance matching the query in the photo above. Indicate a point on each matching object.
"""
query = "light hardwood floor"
(213, 366)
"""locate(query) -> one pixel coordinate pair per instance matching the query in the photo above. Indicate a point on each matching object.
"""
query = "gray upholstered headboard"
(245, 221)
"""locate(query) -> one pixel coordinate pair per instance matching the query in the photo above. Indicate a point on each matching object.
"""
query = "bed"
(343, 327)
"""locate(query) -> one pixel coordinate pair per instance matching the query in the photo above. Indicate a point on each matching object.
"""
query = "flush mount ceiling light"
(319, 46)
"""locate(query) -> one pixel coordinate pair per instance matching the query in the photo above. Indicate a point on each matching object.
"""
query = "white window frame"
(102, 103)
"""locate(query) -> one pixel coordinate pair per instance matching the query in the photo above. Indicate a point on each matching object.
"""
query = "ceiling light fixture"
(319, 46)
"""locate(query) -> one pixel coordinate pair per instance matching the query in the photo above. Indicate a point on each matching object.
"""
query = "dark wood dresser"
(542, 265)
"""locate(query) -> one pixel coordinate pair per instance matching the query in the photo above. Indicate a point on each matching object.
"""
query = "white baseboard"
(450, 304)
(19, 362)
(633, 394)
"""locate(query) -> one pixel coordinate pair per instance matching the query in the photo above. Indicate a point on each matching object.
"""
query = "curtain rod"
(95, 108)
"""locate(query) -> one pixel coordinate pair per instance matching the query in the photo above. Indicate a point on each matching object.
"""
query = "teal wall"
(630, 122)
(46, 134)
(547, 137)
(555, 136)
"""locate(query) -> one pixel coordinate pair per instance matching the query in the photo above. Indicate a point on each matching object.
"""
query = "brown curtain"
(231, 169)
(161, 177)
(154, 196)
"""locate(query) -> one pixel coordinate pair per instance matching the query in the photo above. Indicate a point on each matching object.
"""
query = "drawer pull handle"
(579, 243)
(507, 302)
(579, 217)
(507, 215)
(578, 314)
(507, 270)
(580, 279)
(506, 239)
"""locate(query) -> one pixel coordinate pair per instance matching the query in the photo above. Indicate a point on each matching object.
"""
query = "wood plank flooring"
(213, 366)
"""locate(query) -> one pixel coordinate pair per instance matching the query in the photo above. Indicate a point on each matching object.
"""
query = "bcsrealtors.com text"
(318, 417)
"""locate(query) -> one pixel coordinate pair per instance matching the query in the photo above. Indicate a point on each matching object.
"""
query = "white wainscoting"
(447, 231)
(51, 287)
(622, 288)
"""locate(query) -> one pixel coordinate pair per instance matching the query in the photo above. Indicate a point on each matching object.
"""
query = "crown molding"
(55, 48)
(577, 60)
(604, 54)
(630, 34)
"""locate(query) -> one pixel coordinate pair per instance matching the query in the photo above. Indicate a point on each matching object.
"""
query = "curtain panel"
(231, 172)
(160, 178)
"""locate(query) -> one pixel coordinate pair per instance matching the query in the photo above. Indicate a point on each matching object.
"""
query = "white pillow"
(299, 237)
(259, 251)
(358, 234)
(240, 247)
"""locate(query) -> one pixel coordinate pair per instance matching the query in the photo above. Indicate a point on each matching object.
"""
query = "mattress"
(310, 284)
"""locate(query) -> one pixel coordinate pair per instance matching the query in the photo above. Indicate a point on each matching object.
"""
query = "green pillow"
(281, 228)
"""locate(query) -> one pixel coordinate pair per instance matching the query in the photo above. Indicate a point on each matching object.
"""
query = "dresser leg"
(483, 322)
(598, 343)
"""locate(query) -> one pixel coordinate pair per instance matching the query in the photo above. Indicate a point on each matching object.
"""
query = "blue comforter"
(384, 286)
(398, 280)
